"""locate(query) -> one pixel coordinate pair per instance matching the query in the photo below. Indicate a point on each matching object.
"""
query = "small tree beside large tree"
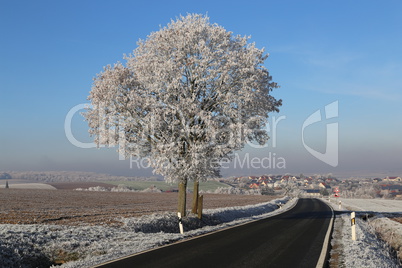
(189, 95)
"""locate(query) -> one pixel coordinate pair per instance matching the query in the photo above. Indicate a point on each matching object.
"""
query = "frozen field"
(41, 186)
(83, 245)
(375, 205)
(39, 245)
(68, 207)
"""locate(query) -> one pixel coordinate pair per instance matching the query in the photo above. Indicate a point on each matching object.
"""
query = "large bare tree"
(188, 96)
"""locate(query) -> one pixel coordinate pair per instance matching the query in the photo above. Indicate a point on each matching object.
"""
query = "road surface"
(292, 239)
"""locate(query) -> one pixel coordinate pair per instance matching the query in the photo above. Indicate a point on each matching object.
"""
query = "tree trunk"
(195, 197)
(200, 204)
(182, 198)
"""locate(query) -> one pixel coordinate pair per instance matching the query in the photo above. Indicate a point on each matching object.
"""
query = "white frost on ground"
(390, 231)
(41, 186)
(34, 245)
(368, 250)
(376, 205)
(119, 188)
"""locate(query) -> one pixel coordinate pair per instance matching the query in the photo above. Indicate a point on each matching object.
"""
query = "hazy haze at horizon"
(321, 52)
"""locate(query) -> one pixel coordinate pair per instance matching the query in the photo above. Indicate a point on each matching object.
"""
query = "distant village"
(389, 187)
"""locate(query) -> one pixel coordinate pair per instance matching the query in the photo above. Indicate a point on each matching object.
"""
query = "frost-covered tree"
(188, 96)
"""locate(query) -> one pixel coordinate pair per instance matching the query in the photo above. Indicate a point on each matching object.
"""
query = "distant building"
(312, 193)
(394, 179)
(323, 185)
(254, 186)
(390, 189)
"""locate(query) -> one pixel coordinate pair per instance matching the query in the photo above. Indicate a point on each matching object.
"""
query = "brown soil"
(336, 248)
(398, 219)
(68, 207)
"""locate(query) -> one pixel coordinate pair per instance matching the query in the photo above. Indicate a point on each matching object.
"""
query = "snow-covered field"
(376, 234)
(41, 186)
(375, 205)
(42, 245)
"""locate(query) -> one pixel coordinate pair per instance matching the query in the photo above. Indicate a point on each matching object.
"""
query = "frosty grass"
(368, 250)
(37, 245)
(84, 246)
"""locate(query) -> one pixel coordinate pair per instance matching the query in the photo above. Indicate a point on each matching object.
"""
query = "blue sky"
(321, 52)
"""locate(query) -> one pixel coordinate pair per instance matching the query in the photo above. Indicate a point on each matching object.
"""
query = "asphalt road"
(291, 239)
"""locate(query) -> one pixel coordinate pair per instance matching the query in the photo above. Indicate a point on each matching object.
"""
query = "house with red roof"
(394, 179)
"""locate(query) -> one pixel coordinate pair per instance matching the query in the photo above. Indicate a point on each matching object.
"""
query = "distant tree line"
(5, 176)
(69, 176)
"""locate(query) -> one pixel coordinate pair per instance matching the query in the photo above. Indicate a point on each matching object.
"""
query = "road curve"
(291, 239)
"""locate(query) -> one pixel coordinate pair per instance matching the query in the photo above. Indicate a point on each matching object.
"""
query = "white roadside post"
(340, 204)
(180, 223)
(353, 223)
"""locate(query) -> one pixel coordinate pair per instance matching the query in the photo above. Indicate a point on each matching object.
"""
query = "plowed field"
(68, 207)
